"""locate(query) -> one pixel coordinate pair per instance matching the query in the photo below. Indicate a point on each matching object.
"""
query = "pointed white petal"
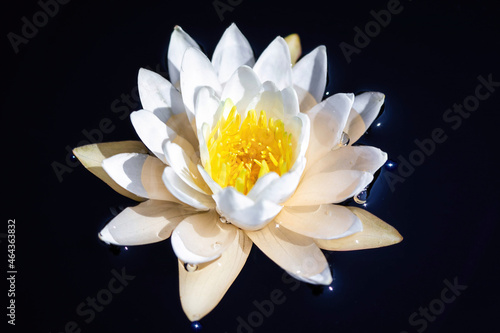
(206, 108)
(375, 233)
(294, 253)
(274, 64)
(196, 71)
(309, 78)
(328, 120)
(323, 278)
(361, 158)
(149, 222)
(232, 51)
(323, 221)
(180, 41)
(243, 85)
(364, 110)
(242, 211)
(158, 95)
(152, 131)
(329, 187)
(202, 238)
(202, 290)
(184, 192)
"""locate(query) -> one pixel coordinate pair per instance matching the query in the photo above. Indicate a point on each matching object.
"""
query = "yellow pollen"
(242, 151)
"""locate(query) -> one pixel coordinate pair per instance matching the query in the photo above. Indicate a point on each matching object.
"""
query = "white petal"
(185, 167)
(300, 127)
(329, 187)
(184, 192)
(364, 110)
(323, 278)
(268, 99)
(180, 41)
(139, 173)
(214, 187)
(206, 108)
(243, 85)
(309, 78)
(294, 253)
(196, 71)
(201, 238)
(242, 211)
(149, 222)
(274, 64)
(152, 131)
(202, 290)
(323, 221)
(361, 158)
(328, 120)
(158, 95)
(290, 102)
(282, 188)
(232, 51)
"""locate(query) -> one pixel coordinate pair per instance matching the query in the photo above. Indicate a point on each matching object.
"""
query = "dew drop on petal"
(190, 267)
(216, 245)
(223, 219)
(344, 139)
(361, 197)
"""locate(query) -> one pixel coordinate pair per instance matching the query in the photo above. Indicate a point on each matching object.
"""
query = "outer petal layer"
(364, 110)
(203, 289)
(294, 253)
(149, 222)
(376, 233)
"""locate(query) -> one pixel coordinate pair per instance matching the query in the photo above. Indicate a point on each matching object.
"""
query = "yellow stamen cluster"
(242, 152)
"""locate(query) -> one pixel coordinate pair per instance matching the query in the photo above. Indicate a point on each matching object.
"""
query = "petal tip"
(106, 237)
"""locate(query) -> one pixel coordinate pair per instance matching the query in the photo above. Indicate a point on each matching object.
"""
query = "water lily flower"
(237, 151)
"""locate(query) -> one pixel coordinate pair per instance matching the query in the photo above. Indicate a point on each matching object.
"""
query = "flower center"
(240, 152)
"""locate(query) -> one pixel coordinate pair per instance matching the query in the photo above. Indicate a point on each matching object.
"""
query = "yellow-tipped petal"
(91, 157)
(376, 233)
(293, 42)
(202, 290)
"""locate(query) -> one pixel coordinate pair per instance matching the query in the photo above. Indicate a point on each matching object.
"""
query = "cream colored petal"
(151, 179)
(202, 238)
(149, 222)
(91, 157)
(293, 252)
(268, 99)
(323, 278)
(293, 42)
(323, 221)
(202, 290)
(376, 233)
(329, 187)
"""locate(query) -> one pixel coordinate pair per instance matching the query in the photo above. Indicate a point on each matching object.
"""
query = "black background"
(82, 64)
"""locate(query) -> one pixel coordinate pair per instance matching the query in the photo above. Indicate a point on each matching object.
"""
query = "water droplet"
(190, 267)
(216, 245)
(223, 219)
(390, 165)
(344, 139)
(196, 326)
(361, 197)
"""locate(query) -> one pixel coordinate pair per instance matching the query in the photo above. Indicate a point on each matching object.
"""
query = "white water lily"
(243, 152)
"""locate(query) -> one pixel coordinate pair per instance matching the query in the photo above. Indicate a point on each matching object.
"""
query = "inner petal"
(243, 150)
